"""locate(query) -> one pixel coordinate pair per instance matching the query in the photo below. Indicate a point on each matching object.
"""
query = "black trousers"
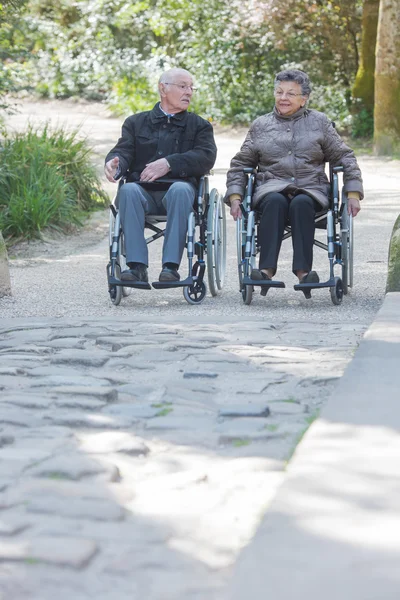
(276, 211)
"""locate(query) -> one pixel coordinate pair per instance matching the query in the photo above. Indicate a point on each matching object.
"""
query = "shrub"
(362, 125)
(46, 180)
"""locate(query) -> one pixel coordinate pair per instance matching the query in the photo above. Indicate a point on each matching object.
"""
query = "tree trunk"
(387, 79)
(363, 87)
(5, 285)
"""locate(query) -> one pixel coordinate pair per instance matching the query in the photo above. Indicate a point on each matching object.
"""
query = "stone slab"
(332, 529)
(66, 552)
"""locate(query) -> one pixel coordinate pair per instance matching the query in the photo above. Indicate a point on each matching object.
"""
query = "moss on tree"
(393, 280)
(387, 79)
(364, 84)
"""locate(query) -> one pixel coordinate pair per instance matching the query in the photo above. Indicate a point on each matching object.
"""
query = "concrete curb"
(332, 529)
(5, 283)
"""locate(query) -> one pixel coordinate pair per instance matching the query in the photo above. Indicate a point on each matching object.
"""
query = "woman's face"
(288, 97)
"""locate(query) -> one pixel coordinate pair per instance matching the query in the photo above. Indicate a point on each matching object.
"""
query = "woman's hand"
(236, 211)
(353, 206)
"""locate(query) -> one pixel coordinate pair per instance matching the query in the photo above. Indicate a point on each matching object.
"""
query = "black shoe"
(311, 277)
(169, 274)
(258, 275)
(136, 274)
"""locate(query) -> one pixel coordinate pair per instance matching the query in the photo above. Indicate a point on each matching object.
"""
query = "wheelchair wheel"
(337, 291)
(347, 239)
(351, 250)
(247, 294)
(240, 241)
(115, 292)
(126, 291)
(195, 294)
(216, 242)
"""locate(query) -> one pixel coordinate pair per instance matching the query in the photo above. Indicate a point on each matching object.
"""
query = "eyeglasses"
(280, 94)
(182, 86)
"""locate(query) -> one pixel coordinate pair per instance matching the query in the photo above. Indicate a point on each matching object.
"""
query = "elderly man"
(167, 142)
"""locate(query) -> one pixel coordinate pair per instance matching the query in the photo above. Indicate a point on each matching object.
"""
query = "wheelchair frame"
(339, 244)
(210, 249)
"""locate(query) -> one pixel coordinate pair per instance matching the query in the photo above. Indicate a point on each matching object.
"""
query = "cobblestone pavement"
(137, 459)
(140, 444)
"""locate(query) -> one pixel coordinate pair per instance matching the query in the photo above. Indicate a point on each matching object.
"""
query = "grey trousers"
(135, 202)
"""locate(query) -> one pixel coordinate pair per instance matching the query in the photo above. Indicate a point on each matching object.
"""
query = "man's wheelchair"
(340, 242)
(206, 250)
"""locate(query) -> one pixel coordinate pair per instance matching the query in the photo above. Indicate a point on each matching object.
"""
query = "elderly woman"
(289, 147)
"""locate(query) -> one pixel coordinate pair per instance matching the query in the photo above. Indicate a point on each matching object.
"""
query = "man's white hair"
(172, 74)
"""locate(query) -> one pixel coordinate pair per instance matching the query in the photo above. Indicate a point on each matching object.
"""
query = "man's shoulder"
(138, 116)
(197, 119)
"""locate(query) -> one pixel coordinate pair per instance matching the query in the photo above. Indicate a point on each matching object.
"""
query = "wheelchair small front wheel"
(337, 291)
(247, 294)
(115, 292)
(195, 294)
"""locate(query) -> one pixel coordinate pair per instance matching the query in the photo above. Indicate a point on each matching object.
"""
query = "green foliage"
(362, 124)
(9, 48)
(115, 51)
(46, 180)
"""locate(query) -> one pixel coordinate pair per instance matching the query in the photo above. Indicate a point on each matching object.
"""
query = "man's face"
(176, 93)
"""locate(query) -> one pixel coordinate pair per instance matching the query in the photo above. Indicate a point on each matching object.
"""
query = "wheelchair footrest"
(141, 285)
(264, 283)
(310, 286)
(160, 285)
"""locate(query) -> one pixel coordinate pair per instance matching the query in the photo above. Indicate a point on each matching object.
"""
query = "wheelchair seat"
(339, 242)
(206, 250)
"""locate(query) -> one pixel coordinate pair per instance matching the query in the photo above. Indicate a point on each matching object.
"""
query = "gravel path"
(67, 278)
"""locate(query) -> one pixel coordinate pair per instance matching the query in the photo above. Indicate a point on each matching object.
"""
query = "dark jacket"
(290, 153)
(185, 140)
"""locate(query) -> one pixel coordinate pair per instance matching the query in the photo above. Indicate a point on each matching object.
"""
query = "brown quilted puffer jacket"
(290, 153)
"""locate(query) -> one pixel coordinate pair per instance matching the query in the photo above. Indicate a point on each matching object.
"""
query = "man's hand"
(111, 168)
(353, 206)
(155, 170)
(236, 211)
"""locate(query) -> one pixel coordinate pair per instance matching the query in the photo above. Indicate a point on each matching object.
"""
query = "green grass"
(47, 179)
(309, 420)
(29, 560)
(239, 442)
(290, 400)
(57, 476)
(271, 427)
(164, 411)
(166, 408)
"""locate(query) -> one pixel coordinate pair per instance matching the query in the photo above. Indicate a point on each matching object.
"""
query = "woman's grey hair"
(298, 77)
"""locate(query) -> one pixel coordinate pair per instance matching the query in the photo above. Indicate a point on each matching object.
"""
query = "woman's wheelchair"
(206, 250)
(340, 243)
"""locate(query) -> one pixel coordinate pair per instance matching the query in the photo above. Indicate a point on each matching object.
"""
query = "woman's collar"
(296, 115)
